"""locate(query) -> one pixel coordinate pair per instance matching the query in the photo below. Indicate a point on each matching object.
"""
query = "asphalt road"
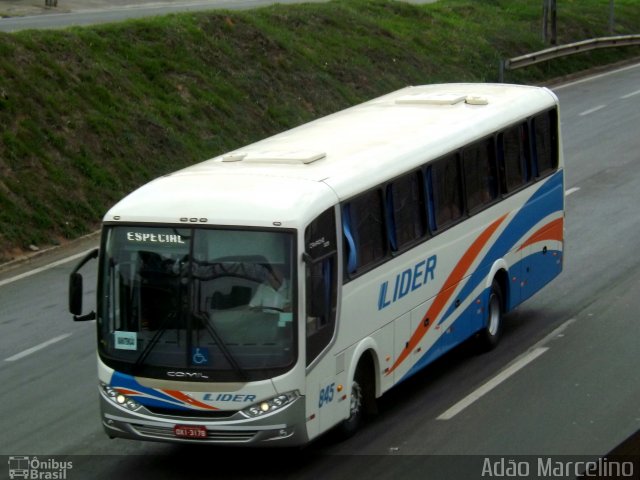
(29, 14)
(572, 351)
(91, 12)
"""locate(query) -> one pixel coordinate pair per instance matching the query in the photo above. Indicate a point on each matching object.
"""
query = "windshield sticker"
(126, 340)
(140, 237)
(200, 356)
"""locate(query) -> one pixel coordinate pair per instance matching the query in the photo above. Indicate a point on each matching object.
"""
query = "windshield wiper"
(195, 280)
(151, 345)
(204, 318)
(164, 326)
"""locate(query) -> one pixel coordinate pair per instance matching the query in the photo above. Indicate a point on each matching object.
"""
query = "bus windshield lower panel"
(211, 304)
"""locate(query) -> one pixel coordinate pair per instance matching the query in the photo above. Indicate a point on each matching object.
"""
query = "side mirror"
(76, 290)
(75, 293)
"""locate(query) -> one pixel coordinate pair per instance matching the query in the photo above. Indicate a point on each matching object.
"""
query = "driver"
(273, 293)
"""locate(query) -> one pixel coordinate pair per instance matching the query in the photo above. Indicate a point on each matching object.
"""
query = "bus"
(273, 293)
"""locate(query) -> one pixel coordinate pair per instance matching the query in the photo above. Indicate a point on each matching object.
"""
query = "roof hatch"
(440, 99)
(279, 156)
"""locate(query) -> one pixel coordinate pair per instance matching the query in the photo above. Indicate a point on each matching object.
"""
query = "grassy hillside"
(88, 114)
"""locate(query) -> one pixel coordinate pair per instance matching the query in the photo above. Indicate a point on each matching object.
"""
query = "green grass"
(88, 114)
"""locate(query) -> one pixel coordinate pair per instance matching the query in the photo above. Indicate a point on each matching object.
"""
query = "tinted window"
(406, 208)
(364, 229)
(445, 192)
(545, 129)
(514, 144)
(480, 174)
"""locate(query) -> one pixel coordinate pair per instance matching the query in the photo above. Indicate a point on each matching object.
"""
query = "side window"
(320, 282)
(514, 157)
(364, 231)
(545, 134)
(480, 174)
(444, 182)
(406, 210)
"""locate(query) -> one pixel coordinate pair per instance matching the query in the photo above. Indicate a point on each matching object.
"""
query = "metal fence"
(565, 50)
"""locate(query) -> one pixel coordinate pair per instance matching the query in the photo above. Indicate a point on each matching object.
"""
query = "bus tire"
(358, 402)
(489, 336)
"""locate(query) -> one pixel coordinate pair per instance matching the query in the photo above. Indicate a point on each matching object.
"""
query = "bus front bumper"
(285, 427)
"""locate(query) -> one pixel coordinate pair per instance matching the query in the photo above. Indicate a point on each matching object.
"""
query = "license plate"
(190, 431)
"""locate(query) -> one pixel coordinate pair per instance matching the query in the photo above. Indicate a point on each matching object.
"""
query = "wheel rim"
(356, 399)
(494, 315)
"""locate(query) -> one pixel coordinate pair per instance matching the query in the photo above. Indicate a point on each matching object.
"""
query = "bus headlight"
(118, 398)
(270, 405)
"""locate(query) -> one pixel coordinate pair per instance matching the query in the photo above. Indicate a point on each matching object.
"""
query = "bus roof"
(287, 179)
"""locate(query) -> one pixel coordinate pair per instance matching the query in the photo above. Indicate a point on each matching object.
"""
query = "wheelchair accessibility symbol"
(199, 356)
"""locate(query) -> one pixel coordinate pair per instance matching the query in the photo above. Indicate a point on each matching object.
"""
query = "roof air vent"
(476, 100)
(233, 157)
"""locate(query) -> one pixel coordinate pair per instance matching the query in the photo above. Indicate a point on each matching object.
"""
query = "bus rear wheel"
(489, 336)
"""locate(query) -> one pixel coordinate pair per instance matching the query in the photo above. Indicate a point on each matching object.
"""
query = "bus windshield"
(204, 304)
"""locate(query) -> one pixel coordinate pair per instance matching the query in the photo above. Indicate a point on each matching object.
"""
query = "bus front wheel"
(361, 401)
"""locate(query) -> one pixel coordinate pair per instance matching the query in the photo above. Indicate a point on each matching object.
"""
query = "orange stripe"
(445, 293)
(553, 230)
(187, 399)
(126, 391)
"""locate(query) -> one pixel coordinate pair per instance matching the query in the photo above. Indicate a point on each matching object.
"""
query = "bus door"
(321, 276)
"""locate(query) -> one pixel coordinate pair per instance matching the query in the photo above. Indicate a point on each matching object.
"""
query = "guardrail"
(565, 50)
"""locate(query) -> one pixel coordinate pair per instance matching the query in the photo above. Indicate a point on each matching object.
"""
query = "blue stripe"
(548, 199)
(121, 380)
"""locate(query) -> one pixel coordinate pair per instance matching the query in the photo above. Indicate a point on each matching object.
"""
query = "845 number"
(326, 394)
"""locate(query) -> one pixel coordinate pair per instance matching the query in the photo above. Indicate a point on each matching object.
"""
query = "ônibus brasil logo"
(38, 469)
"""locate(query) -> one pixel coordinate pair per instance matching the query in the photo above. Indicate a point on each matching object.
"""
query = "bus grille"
(215, 435)
(169, 412)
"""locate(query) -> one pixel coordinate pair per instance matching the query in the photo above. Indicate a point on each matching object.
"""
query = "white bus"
(270, 294)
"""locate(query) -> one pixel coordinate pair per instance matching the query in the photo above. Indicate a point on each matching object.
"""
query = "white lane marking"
(535, 351)
(31, 350)
(558, 332)
(42, 269)
(571, 190)
(591, 110)
(493, 383)
(629, 95)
